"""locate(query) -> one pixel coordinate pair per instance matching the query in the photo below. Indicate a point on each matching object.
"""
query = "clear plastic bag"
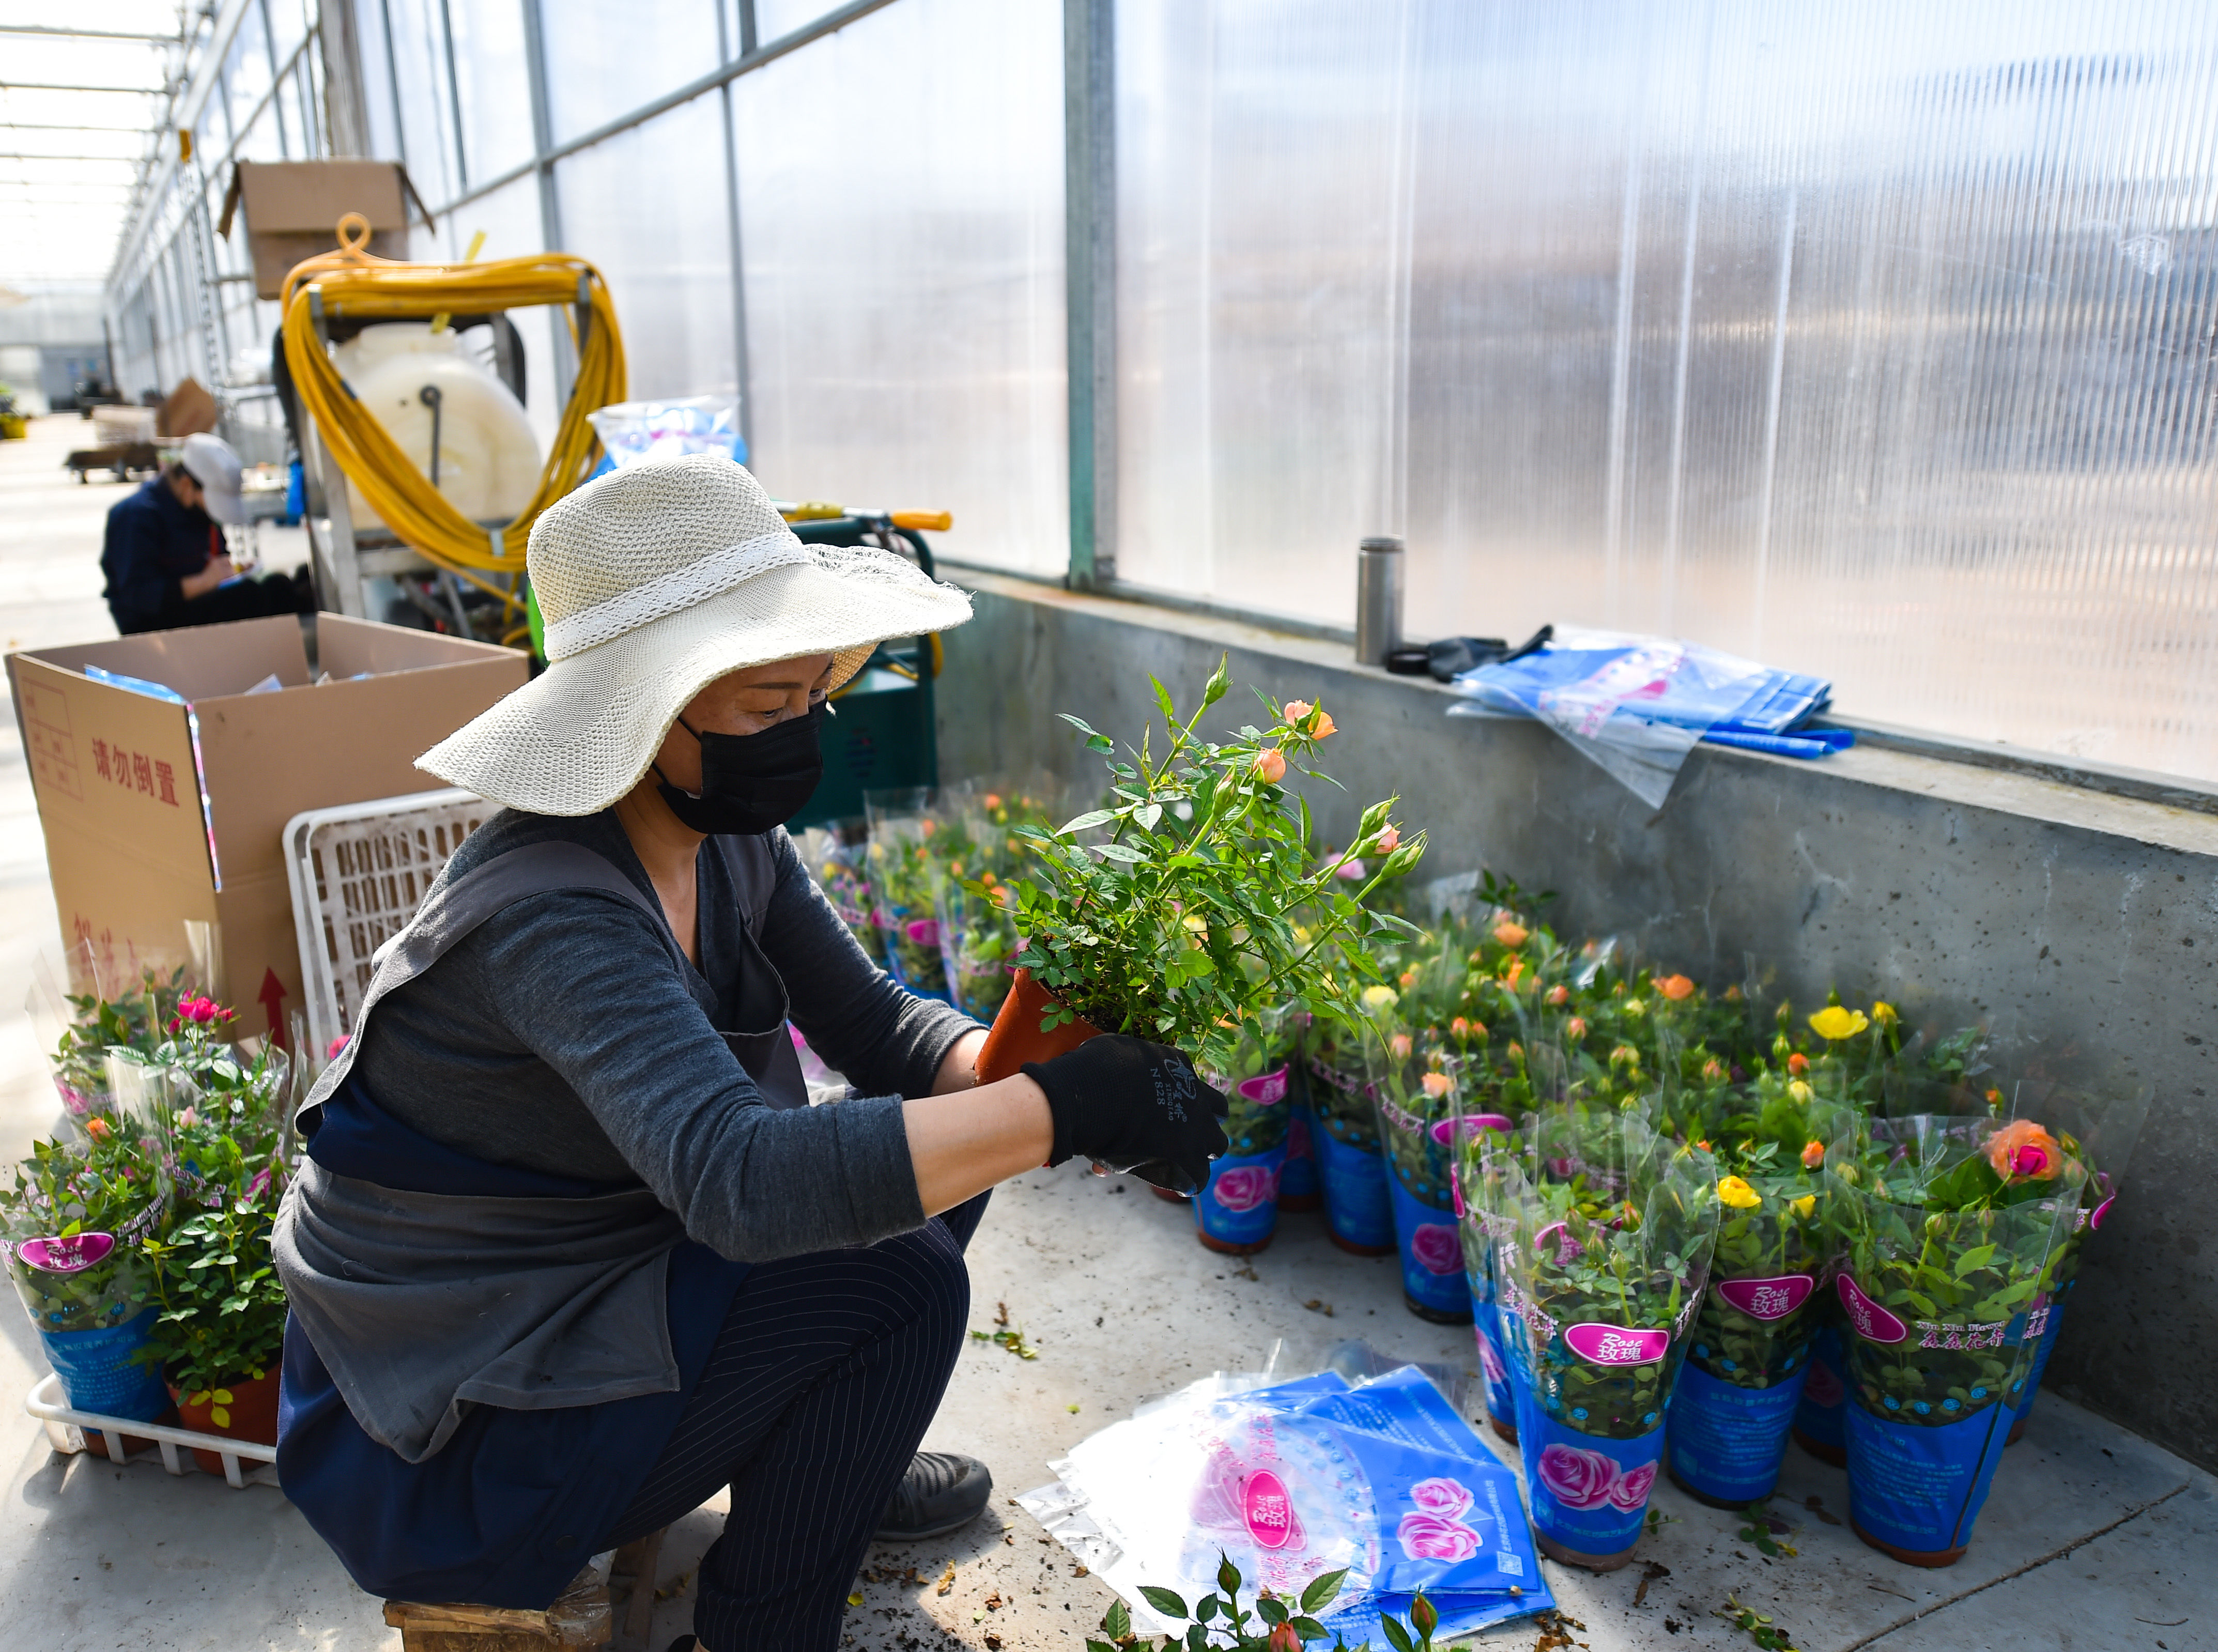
(1639, 705)
(1290, 1480)
(633, 430)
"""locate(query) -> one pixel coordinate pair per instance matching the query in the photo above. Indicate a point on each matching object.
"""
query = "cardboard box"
(187, 410)
(157, 815)
(293, 210)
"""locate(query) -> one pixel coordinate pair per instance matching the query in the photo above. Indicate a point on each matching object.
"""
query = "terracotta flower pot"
(1016, 1036)
(246, 1410)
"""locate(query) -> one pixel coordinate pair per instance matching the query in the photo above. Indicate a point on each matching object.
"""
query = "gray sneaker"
(941, 1492)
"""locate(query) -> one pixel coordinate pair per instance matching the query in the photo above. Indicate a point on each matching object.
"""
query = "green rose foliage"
(1189, 900)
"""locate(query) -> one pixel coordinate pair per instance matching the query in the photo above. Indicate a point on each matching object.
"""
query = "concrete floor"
(2094, 1538)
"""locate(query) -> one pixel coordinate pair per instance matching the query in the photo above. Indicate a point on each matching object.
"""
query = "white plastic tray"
(244, 1463)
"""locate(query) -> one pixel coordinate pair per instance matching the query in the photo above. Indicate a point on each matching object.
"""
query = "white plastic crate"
(358, 872)
(244, 1463)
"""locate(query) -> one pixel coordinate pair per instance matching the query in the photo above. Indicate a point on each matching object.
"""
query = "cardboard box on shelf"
(293, 210)
(159, 814)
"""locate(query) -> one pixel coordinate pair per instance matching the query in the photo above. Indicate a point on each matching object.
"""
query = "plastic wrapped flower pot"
(842, 873)
(905, 862)
(1601, 1298)
(1238, 1212)
(1821, 1414)
(1479, 1143)
(1412, 1089)
(1952, 1226)
(1359, 1209)
(77, 1217)
(2098, 1128)
(978, 948)
(1747, 1361)
(1299, 1186)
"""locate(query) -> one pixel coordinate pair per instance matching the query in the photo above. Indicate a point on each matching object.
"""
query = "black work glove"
(1132, 1105)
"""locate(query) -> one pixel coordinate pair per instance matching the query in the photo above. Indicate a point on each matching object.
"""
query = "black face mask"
(751, 783)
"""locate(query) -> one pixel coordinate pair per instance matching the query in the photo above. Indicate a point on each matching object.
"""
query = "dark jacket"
(154, 542)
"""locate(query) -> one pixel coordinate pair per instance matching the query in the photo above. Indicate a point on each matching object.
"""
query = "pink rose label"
(1613, 1344)
(2094, 1221)
(1431, 1537)
(1629, 1491)
(1448, 1498)
(1767, 1299)
(1265, 1089)
(1438, 1248)
(1471, 1123)
(1244, 1186)
(1267, 1509)
(1576, 1477)
(1455, 1194)
(1872, 1323)
(70, 1255)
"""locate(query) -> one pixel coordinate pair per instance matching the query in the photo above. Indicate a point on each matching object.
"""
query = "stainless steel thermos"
(1377, 599)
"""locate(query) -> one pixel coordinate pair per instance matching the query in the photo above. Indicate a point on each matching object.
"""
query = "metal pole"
(739, 369)
(1089, 150)
(550, 202)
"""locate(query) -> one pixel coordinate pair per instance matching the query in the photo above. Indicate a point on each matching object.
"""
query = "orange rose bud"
(1560, 995)
(1798, 1063)
(1577, 1026)
(1676, 987)
(97, 1129)
(1271, 764)
(1399, 1044)
(1322, 726)
(1813, 1155)
(1389, 840)
(1295, 711)
(1511, 933)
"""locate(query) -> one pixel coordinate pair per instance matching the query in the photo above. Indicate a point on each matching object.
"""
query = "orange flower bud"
(1577, 1026)
(1389, 840)
(1323, 726)
(1399, 1044)
(1798, 1063)
(1813, 1155)
(1271, 763)
(1436, 1085)
(1511, 933)
(1676, 987)
(1560, 995)
(1295, 711)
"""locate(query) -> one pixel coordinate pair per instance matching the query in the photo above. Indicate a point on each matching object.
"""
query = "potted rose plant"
(1952, 1226)
(1351, 1164)
(1170, 911)
(1414, 1090)
(1600, 1275)
(1238, 1211)
(1748, 1355)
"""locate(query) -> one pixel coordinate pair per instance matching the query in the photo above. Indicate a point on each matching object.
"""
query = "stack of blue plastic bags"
(1639, 705)
(1293, 1480)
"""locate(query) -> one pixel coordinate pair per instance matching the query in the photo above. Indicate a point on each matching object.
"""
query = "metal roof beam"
(65, 33)
(45, 86)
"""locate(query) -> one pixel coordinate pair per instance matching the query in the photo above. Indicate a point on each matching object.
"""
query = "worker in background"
(165, 559)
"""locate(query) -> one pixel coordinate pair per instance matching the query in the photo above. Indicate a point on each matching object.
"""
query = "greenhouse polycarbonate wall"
(1871, 340)
(900, 228)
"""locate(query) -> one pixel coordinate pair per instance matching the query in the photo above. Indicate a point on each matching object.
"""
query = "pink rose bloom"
(1427, 1537)
(1442, 1496)
(1578, 1478)
(1490, 1361)
(1244, 1188)
(1629, 1491)
(1438, 1248)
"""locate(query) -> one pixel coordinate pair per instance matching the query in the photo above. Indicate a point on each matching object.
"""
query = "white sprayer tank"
(489, 461)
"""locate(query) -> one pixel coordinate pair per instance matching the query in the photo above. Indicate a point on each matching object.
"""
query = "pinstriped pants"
(827, 1373)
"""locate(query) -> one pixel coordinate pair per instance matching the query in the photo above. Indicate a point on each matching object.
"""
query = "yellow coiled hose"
(354, 283)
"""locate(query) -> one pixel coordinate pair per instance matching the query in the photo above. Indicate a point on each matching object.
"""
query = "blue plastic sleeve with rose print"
(1589, 1493)
(1356, 1202)
(1727, 1441)
(1432, 1253)
(1240, 1206)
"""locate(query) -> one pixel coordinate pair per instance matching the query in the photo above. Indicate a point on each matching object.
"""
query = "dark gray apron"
(422, 1305)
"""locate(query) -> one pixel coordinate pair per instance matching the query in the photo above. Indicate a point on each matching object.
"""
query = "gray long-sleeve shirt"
(557, 1036)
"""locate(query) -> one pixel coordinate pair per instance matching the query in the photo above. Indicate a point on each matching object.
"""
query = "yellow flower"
(1739, 1194)
(1837, 1022)
(1885, 1014)
(1801, 1091)
(1803, 1206)
(1380, 998)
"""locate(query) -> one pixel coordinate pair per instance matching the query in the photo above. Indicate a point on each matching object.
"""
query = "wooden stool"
(581, 1617)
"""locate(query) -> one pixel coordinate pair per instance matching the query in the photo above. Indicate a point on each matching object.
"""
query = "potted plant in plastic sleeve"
(1238, 1212)
(1412, 1088)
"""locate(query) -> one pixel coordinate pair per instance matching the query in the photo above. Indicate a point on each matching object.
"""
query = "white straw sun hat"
(655, 580)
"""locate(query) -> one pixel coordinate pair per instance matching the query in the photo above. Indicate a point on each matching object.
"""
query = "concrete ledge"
(2079, 920)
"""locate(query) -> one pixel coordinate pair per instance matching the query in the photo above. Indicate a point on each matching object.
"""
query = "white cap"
(215, 467)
